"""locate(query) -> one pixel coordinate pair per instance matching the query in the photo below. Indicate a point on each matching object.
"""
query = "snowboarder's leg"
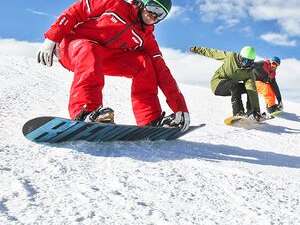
(144, 92)
(235, 90)
(144, 89)
(86, 90)
(248, 105)
(267, 92)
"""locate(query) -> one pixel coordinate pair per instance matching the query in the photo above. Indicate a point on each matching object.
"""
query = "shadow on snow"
(277, 129)
(179, 150)
(290, 116)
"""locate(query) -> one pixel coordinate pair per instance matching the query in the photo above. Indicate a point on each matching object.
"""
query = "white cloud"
(247, 31)
(286, 14)
(229, 11)
(292, 27)
(289, 73)
(278, 39)
(176, 11)
(186, 67)
(196, 69)
(190, 68)
(39, 13)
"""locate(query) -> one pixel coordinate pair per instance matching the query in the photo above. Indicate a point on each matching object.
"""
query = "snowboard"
(50, 129)
(242, 121)
(276, 113)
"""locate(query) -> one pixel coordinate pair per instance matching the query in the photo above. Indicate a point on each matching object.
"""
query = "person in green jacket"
(234, 78)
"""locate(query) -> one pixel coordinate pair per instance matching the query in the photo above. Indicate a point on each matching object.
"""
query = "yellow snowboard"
(232, 119)
(241, 121)
(276, 113)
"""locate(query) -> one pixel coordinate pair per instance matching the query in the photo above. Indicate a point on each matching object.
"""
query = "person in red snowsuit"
(94, 38)
(266, 84)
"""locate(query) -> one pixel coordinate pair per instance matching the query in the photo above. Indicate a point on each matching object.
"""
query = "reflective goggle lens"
(154, 9)
(247, 62)
(274, 64)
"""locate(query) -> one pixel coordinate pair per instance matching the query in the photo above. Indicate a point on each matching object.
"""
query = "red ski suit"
(100, 37)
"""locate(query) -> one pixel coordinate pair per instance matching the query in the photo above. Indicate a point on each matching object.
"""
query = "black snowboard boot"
(237, 106)
(157, 122)
(100, 115)
(163, 121)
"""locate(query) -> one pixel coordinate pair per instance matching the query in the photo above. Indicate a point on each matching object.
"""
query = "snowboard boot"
(100, 115)
(163, 121)
(237, 107)
(157, 122)
(240, 114)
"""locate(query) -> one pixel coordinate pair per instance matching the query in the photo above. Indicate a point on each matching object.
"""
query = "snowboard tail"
(242, 121)
(56, 130)
(276, 113)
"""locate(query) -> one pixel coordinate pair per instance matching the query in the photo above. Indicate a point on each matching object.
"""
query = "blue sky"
(269, 25)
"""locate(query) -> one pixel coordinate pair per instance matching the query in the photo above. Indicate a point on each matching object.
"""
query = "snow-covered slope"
(215, 175)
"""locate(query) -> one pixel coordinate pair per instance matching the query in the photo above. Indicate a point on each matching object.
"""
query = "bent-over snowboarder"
(234, 78)
(97, 37)
(266, 84)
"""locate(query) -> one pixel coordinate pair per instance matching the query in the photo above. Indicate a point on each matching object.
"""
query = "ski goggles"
(247, 62)
(157, 12)
(274, 64)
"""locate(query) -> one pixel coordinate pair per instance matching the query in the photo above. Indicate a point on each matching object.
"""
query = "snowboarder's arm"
(169, 87)
(166, 81)
(276, 90)
(210, 52)
(75, 14)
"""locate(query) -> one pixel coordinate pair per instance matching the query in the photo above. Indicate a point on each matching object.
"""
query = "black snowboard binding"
(100, 115)
(164, 121)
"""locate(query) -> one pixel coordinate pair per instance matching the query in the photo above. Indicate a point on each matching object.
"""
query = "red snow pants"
(90, 61)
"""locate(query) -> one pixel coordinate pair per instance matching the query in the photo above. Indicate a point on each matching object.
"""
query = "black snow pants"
(235, 90)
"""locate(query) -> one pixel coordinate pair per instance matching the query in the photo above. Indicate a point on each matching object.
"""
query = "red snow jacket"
(263, 72)
(268, 69)
(115, 24)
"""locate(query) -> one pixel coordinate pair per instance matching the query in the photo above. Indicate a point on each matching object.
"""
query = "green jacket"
(230, 70)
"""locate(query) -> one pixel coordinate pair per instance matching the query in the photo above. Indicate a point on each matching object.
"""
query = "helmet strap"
(140, 18)
(138, 3)
(239, 59)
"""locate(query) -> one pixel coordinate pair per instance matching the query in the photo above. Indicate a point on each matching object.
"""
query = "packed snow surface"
(214, 175)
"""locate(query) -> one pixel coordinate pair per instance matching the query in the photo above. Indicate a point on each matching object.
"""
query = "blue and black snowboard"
(55, 130)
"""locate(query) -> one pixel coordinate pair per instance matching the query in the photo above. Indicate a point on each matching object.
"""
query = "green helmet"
(164, 4)
(248, 52)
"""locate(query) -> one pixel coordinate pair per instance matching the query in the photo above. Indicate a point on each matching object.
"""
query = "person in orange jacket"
(265, 72)
(94, 38)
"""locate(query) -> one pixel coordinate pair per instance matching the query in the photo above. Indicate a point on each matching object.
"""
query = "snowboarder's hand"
(193, 49)
(46, 52)
(182, 119)
(255, 116)
(280, 106)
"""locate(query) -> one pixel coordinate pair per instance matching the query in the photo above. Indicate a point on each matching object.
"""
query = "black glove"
(280, 106)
